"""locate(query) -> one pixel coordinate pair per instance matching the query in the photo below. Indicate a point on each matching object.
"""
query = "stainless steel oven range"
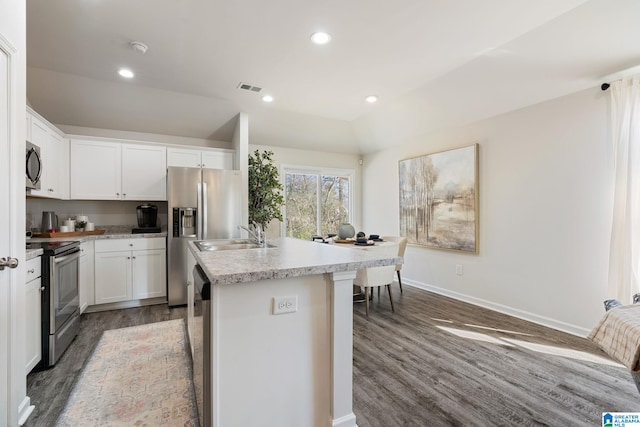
(60, 299)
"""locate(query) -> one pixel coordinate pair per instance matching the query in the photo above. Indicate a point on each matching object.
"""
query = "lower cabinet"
(130, 269)
(86, 268)
(33, 304)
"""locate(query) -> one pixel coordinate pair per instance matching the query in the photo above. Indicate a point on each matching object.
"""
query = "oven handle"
(59, 259)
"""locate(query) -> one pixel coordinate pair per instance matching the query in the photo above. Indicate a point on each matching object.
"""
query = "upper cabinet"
(104, 170)
(200, 158)
(54, 152)
(144, 172)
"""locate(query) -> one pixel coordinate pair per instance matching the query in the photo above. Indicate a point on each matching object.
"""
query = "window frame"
(318, 171)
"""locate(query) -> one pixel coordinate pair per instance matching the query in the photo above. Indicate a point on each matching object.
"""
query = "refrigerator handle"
(203, 215)
(199, 213)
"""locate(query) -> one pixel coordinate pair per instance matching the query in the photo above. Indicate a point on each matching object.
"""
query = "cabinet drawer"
(115, 245)
(33, 269)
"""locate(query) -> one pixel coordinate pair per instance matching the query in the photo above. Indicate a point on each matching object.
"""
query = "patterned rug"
(137, 376)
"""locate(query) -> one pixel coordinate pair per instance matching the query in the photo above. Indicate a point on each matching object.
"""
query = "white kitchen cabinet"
(149, 273)
(105, 170)
(33, 304)
(54, 151)
(130, 269)
(144, 172)
(195, 158)
(95, 170)
(113, 276)
(86, 269)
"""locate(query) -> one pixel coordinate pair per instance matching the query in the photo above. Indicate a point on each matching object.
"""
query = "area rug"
(137, 376)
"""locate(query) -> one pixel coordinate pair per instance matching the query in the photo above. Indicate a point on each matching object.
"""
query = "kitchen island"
(292, 369)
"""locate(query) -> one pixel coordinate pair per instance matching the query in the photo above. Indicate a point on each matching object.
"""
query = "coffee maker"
(147, 219)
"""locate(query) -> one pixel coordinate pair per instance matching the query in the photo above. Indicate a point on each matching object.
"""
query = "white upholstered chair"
(402, 245)
(372, 277)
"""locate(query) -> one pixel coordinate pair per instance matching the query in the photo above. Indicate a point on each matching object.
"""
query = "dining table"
(358, 292)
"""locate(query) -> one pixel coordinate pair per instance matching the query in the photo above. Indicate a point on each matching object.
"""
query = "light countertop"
(112, 232)
(33, 253)
(289, 258)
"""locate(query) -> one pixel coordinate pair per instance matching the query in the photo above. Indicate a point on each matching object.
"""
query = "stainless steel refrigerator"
(202, 204)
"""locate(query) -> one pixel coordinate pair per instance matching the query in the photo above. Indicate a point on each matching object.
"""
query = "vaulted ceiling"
(432, 63)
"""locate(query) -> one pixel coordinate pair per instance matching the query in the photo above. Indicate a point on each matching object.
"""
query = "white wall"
(545, 211)
(294, 157)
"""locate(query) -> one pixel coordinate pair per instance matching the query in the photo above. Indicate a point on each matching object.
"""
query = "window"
(316, 201)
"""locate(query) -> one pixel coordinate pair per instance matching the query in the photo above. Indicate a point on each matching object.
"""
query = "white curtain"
(624, 255)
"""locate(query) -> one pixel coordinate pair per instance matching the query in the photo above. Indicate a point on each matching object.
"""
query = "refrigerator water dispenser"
(184, 222)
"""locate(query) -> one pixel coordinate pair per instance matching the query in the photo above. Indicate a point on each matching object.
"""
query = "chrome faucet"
(255, 230)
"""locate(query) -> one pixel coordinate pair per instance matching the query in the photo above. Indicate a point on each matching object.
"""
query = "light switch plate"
(282, 305)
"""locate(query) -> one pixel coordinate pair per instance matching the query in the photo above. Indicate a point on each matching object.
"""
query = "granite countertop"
(289, 258)
(111, 232)
(33, 253)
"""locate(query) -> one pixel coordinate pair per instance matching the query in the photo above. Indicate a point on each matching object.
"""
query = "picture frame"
(439, 199)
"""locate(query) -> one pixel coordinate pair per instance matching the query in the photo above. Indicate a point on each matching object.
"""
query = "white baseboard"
(345, 421)
(520, 314)
(24, 410)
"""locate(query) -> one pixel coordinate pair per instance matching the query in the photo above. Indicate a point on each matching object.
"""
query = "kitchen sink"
(227, 245)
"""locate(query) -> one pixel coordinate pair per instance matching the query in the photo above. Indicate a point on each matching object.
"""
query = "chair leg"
(390, 299)
(366, 299)
(399, 280)
(378, 293)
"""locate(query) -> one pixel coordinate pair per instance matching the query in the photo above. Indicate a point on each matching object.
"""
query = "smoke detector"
(139, 47)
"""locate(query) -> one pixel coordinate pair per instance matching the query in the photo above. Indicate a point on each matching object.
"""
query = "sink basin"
(227, 245)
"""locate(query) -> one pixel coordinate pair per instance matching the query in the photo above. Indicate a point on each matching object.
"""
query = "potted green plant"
(265, 189)
(80, 225)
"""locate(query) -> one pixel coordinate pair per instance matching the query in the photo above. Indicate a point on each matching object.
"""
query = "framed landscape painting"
(439, 199)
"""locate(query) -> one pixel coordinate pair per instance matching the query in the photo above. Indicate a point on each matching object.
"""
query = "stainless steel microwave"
(34, 166)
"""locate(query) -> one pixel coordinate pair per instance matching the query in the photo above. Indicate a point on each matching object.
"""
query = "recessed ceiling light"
(320, 37)
(371, 99)
(267, 98)
(126, 73)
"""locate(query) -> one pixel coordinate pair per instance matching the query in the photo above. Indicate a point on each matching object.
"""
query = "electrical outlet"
(459, 270)
(283, 305)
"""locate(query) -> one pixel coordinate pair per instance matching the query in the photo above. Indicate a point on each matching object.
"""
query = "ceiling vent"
(249, 87)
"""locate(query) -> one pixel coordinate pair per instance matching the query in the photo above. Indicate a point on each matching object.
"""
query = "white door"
(5, 247)
(13, 402)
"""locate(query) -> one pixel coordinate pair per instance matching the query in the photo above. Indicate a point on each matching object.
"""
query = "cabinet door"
(53, 152)
(55, 176)
(33, 327)
(95, 170)
(40, 137)
(112, 277)
(149, 274)
(183, 157)
(217, 160)
(144, 172)
(86, 290)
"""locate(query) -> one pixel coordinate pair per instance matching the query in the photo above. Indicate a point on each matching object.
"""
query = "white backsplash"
(100, 212)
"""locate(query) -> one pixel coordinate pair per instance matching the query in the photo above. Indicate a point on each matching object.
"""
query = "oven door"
(65, 301)
(34, 166)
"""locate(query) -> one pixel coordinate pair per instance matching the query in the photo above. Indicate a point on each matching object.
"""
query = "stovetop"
(53, 247)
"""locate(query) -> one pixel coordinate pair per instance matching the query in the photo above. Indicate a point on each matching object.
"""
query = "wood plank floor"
(442, 362)
(434, 362)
